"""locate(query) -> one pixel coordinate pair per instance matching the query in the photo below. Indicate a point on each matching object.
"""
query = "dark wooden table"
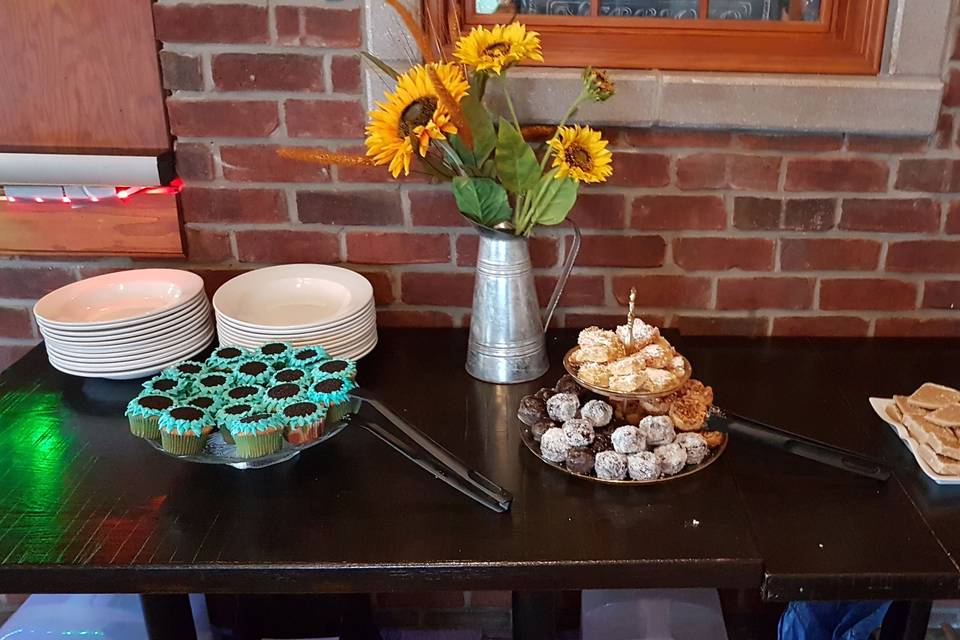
(86, 507)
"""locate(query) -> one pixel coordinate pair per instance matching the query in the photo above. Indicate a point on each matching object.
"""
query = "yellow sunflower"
(498, 48)
(580, 152)
(411, 116)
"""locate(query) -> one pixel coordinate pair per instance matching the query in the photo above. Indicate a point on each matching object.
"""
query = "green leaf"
(463, 151)
(484, 137)
(481, 200)
(380, 64)
(558, 198)
(516, 164)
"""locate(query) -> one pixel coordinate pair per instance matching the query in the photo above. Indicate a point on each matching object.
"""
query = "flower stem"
(563, 121)
(506, 93)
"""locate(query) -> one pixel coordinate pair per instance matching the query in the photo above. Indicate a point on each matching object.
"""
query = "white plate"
(196, 307)
(880, 406)
(189, 326)
(357, 335)
(293, 296)
(127, 375)
(119, 365)
(333, 336)
(362, 314)
(132, 351)
(117, 299)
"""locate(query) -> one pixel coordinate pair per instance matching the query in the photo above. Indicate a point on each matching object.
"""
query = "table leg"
(534, 615)
(906, 620)
(168, 616)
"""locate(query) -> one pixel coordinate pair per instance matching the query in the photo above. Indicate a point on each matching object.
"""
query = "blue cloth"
(831, 620)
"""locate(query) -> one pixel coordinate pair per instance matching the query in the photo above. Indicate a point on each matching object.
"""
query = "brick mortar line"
(256, 48)
(215, 96)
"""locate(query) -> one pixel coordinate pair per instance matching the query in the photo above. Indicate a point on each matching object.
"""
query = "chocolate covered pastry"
(660, 430)
(531, 410)
(628, 439)
(598, 412)
(695, 446)
(545, 394)
(602, 439)
(568, 384)
(538, 428)
(580, 461)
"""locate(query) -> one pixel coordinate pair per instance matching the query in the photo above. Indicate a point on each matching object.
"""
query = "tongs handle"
(806, 447)
(434, 458)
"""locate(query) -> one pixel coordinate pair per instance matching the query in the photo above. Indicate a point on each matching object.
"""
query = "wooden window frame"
(848, 39)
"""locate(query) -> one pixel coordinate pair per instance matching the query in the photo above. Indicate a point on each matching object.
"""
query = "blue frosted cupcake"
(338, 368)
(279, 394)
(307, 356)
(212, 383)
(168, 384)
(226, 357)
(276, 353)
(334, 394)
(229, 413)
(253, 370)
(207, 402)
(292, 374)
(144, 413)
(257, 434)
(187, 368)
(302, 420)
(184, 430)
(244, 393)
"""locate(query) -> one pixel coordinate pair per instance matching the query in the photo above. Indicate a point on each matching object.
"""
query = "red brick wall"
(721, 232)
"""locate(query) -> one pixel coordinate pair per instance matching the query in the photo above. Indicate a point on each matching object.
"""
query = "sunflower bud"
(598, 84)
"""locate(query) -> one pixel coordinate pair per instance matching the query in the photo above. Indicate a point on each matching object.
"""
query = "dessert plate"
(294, 296)
(880, 407)
(118, 299)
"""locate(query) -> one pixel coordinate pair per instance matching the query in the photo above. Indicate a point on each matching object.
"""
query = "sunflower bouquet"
(434, 121)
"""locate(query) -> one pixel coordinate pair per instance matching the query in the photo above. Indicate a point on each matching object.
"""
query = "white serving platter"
(880, 407)
(117, 299)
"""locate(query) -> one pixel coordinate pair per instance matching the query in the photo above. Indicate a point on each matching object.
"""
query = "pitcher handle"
(564, 275)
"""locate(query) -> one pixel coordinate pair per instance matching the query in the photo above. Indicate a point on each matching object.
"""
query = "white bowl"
(199, 307)
(117, 299)
(293, 296)
(279, 334)
(331, 341)
(127, 374)
(134, 363)
(140, 348)
(190, 325)
(360, 316)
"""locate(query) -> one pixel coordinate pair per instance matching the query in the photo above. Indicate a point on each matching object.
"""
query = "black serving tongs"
(425, 452)
(798, 445)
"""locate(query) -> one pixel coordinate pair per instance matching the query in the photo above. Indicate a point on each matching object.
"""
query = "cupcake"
(306, 356)
(187, 368)
(277, 352)
(257, 434)
(302, 420)
(228, 414)
(144, 413)
(166, 384)
(291, 374)
(339, 369)
(226, 357)
(333, 393)
(211, 383)
(244, 393)
(209, 403)
(253, 371)
(280, 394)
(184, 430)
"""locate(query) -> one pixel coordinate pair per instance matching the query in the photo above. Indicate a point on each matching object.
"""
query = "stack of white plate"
(125, 325)
(302, 304)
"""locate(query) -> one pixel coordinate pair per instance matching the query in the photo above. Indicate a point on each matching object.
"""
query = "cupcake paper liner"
(145, 427)
(182, 445)
(258, 445)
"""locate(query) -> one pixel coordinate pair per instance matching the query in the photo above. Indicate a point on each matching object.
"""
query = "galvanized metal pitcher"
(507, 342)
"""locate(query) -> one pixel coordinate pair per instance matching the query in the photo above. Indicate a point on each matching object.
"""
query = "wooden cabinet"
(80, 76)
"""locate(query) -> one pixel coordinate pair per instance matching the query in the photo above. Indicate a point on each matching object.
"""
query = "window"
(785, 36)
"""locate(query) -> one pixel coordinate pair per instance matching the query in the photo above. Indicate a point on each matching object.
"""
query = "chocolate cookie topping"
(213, 380)
(189, 367)
(289, 375)
(157, 403)
(229, 352)
(203, 402)
(280, 391)
(239, 393)
(253, 368)
(164, 384)
(299, 409)
(237, 409)
(333, 366)
(186, 413)
(254, 417)
(274, 348)
(331, 385)
(306, 354)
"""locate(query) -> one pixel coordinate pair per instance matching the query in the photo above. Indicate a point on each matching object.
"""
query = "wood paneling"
(144, 225)
(80, 76)
(847, 40)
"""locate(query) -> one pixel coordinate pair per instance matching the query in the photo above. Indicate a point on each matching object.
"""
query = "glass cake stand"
(622, 403)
